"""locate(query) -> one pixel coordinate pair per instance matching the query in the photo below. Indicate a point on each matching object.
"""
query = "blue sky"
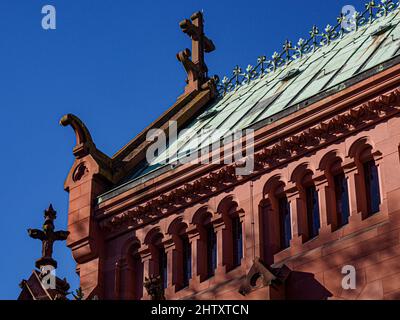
(113, 64)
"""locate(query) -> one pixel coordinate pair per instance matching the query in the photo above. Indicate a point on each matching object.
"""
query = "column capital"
(169, 246)
(145, 253)
(290, 187)
(350, 175)
(323, 202)
(292, 194)
(192, 230)
(241, 213)
(320, 184)
(219, 226)
(217, 221)
(350, 168)
(193, 236)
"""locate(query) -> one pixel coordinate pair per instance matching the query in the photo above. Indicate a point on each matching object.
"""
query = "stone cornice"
(266, 159)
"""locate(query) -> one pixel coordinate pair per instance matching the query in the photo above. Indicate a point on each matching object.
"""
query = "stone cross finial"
(48, 236)
(193, 61)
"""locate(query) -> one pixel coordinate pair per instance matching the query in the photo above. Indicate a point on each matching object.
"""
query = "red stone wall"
(371, 245)
(113, 263)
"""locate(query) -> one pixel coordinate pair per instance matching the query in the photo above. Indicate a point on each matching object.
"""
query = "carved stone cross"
(193, 61)
(48, 236)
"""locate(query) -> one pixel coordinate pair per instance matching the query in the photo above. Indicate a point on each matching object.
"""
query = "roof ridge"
(346, 24)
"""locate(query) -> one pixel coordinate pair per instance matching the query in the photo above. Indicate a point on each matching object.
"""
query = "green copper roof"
(275, 88)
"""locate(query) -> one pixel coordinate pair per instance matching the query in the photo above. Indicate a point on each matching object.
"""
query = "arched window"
(370, 177)
(131, 272)
(159, 265)
(308, 215)
(232, 234)
(182, 254)
(211, 250)
(275, 220)
(311, 207)
(338, 206)
(186, 260)
(237, 240)
(367, 186)
(337, 190)
(267, 246)
(284, 223)
(137, 275)
(206, 244)
(341, 200)
(371, 181)
(163, 266)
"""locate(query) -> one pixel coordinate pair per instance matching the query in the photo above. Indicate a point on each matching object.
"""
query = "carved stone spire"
(193, 61)
(48, 236)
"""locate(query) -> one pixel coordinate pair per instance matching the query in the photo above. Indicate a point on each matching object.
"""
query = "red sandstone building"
(324, 192)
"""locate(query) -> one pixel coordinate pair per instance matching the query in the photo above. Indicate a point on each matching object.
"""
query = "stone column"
(145, 256)
(322, 189)
(124, 280)
(221, 269)
(351, 185)
(242, 219)
(251, 225)
(117, 280)
(194, 237)
(169, 248)
(297, 240)
(355, 214)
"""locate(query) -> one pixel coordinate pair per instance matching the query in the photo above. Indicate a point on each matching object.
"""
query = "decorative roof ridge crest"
(317, 40)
